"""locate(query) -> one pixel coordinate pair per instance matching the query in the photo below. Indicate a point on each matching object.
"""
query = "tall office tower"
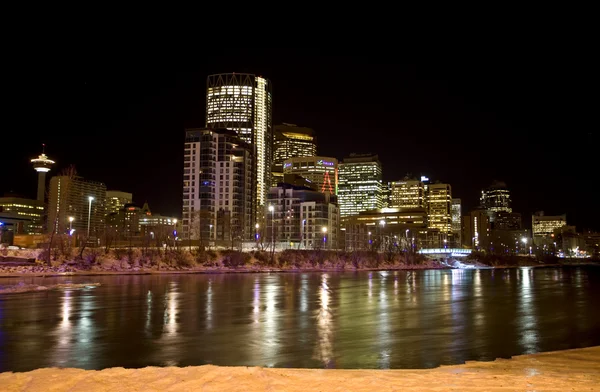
(42, 165)
(322, 172)
(116, 200)
(290, 141)
(407, 194)
(243, 103)
(496, 198)
(439, 206)
(360, 187)
(302, 218)
(386, 189)
(80, 199)
(457, 222)
(476, 229)
(543, 227)
(218, 186)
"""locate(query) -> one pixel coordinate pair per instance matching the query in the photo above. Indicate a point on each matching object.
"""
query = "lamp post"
(90, 199)
(272, 210)
(256, 226)
(302, 234)
(524, 241)
(382, 226)
(324, 230)
(209, 235)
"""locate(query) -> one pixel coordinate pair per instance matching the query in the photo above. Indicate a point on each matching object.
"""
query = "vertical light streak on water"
(64, 331)
(527, 321)
(324, 350)
(256, 301)
(383, 326)
(209, 305)
(171, 311)
(149, 312)
(270, 337)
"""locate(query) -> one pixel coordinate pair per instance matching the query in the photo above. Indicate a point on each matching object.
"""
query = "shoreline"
(225, 270)
(574, 369)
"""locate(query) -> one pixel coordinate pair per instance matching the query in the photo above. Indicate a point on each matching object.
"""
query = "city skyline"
(424, 125)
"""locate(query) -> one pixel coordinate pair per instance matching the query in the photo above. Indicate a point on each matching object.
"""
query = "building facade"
(79, 199)
(477, 229)
(407, 194)
(381, 228)
(439, 206)
(243, 103)
(21, 215)
(543, 227)
(116, 200)
(292, 141)
(302, 217)
(320, 171)
(496, 198)
(218, 186)
(360, 184)
(457, 222)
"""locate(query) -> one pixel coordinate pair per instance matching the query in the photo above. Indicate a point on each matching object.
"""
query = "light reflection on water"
(400, 319)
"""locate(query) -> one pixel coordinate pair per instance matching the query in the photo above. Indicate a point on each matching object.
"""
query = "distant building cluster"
(252, 185)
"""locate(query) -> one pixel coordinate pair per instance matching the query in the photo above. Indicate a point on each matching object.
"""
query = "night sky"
(462, 118)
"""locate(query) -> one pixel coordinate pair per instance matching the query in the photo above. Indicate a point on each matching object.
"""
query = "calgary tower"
(42, 165)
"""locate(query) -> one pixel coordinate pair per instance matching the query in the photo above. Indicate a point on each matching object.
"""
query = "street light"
(324, 230)
(524, 241)
(71, 219)
(256, 226)
(272, 210)
(90, 199)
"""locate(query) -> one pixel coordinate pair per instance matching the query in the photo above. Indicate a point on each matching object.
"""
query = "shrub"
(235, 259)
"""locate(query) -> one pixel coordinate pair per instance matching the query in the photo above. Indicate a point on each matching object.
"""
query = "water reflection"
(324, 350)
(347, 320)
(527, 322)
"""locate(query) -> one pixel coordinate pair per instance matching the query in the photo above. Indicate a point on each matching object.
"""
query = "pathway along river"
(348, 320)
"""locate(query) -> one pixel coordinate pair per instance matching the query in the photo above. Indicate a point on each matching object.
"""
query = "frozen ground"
(572, 370)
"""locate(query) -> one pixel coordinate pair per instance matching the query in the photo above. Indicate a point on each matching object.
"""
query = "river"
(377, 320)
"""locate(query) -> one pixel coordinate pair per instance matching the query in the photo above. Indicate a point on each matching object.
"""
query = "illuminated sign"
(424, 179)
(324, 163)
(287, 165)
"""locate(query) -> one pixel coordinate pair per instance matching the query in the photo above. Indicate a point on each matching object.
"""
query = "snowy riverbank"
(571, 370)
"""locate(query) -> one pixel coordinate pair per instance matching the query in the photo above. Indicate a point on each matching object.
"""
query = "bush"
(180, 258)
(235, 259)
(206, 258)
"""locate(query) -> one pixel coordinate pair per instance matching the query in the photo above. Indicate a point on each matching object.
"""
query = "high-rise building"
(386, 192)
(218, 186)
(80, 199)
(42, 165)
(407, 194)
(496, 198)
(302, 218)
(292, 141)
(320, 171)
(507, 221)
(21, 215)
(116, 200)
(243, 103)
(360, 184)
(457, 222)
(477, 229)
(439, 206)
(543, 227)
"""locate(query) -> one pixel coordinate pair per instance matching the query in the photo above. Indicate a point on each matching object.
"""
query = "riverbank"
(570, 370)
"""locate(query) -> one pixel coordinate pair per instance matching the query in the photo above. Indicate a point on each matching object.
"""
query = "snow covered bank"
(572, 370)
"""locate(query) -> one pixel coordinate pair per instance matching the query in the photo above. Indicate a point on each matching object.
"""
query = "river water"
(379, 320)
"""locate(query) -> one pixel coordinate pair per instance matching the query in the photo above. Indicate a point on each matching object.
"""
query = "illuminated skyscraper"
(218, 186)
(407, 194)
(360, 184)
(116, 200)
(439, 205)
(292, 141)
(457, 222)
(321, 172)
(243, 103)
(496, 198)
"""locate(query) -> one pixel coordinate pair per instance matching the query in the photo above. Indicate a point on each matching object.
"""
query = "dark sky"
(464, 118)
